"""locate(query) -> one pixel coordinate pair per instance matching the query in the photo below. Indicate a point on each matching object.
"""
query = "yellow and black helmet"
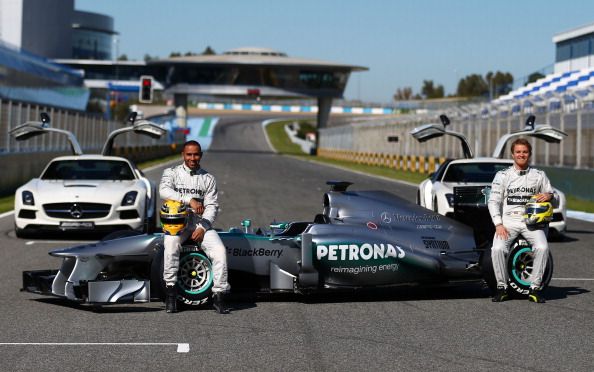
(538, 213)
(174, 217)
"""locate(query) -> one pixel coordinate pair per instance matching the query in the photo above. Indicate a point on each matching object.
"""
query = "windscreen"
(88, 170)
(473, 172)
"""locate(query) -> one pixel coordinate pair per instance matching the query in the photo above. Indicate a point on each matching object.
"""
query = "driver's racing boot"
(534, 295)
(218, 302)
(171, 299)
(500, 295)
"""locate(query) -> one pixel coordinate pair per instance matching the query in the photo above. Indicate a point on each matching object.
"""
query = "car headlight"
(28, 198)
(450, 199)
(129, 198)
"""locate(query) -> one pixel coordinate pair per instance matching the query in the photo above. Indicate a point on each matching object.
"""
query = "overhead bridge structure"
(254, 72)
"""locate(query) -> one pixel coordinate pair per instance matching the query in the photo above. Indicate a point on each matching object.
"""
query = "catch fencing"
(90, 130)
(388, 142)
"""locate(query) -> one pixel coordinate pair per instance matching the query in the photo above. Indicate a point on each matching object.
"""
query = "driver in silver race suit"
(194, 186)
(512, 188)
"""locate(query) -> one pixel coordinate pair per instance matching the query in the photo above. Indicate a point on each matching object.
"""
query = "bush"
(304, 128)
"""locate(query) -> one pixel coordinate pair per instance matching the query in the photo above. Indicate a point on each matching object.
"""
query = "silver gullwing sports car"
(361, 239)
(474, 175)
(86, 192)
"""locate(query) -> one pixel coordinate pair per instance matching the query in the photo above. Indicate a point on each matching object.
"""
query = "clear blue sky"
(402, 42)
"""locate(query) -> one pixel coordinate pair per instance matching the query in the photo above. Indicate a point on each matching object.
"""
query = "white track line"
(6, 214)
(181, 347)
(574, 279)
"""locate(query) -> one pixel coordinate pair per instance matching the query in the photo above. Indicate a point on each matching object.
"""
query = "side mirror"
(444, 120)
(132, 117)
(45, 119)
(530, 122)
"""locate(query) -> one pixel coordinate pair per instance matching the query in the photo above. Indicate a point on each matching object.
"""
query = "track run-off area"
(411, 328)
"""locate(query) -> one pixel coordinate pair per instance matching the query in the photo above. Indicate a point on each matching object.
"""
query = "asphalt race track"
(445, 329)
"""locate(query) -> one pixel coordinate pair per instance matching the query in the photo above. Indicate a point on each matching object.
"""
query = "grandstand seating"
(578, 82)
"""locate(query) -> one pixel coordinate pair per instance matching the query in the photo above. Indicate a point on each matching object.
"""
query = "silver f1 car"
(361, 239)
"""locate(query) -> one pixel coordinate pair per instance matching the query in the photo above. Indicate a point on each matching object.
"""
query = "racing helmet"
(537, 213)
(174, 217)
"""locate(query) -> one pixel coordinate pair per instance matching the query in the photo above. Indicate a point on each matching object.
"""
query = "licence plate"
(76, 225)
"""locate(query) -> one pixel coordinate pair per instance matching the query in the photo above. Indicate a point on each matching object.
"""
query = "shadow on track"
(407, 293)
(116, 308)
(559, 293)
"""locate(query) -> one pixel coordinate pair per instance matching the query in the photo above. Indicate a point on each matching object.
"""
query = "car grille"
(76, 211)
(471, 195)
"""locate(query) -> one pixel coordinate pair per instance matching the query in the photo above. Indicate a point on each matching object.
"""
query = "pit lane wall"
(386, 142)
(21, 161)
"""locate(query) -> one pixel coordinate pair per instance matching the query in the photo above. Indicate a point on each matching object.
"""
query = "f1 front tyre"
(520, 262)
(194, 277)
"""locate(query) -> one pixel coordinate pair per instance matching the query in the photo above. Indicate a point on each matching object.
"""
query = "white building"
(54, 29)
(574, 49)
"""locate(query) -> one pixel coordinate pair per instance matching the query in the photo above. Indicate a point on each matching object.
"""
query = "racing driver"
(512, 188)
(194, 186)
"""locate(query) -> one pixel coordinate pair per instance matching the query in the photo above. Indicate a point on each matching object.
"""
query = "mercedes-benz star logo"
(386, 218)
(76, 211)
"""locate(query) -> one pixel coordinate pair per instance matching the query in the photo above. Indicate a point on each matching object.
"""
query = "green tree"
(148, 57)
(123, 57)
(174, 54)
(429, 90)
(499, 83)
(473, 85)
(208, 51)
(403, 94)
(534, 76)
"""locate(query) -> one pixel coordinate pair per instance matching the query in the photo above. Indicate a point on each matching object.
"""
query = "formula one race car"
(362, 239)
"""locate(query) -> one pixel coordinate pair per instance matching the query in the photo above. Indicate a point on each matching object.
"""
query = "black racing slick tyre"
(194, 277)
(519, 268)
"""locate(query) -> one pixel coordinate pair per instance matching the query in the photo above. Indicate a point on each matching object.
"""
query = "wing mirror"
(444, 120)
(530, 122)
(131, 117)
(45, 119)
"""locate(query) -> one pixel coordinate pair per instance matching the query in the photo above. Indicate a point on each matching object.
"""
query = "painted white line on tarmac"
(574, 279)
(6, 214)
(181, 347)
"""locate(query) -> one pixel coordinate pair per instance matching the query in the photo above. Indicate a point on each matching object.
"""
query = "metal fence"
(482, 125)
(90, 130)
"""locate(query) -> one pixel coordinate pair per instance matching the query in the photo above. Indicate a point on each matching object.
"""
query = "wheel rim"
(522, 264)
(195, 273)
